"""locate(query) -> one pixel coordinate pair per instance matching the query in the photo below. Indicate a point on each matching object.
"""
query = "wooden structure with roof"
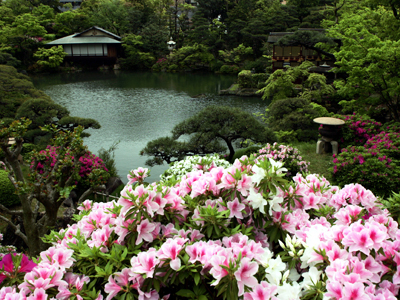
(294, 55)
(94, 46)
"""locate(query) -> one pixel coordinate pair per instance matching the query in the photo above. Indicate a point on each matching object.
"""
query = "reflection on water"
(137, 107)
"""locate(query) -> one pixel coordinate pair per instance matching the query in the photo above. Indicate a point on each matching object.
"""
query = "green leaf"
(185, 293)
(203, 297)
(197, 278)
(209, 231)
(156, 285)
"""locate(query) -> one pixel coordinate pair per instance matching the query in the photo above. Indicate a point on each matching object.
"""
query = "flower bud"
(288, 240)
(300, 252)
(291, 253)
(292, 247)
(282, 244)
(285, 275)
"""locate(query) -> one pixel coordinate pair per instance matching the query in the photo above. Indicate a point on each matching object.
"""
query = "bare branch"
(11, 212)
(89, 191)
(16, 228)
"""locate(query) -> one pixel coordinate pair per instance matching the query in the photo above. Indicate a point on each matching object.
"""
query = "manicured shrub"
(229, 69)
(8, 198)
(245, 79)
(294, 114)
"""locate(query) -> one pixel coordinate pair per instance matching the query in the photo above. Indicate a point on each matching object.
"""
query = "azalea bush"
(193, 163)
(374, 165)
(241, 232)
(88, 162)
(91, 168)
(357, 129)
(288, 155)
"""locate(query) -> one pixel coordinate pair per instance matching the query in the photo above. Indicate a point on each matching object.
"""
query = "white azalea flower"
(274, 204)
(274, 269)
(310, 278)
(294, 276)
(277, 165)
(264, 258)
(257, 200)
(289, 292)
(259, 174)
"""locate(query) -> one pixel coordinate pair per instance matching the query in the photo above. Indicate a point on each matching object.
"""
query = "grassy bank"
(319, 163)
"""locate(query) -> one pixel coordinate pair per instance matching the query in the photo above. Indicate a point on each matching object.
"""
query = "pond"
(137, 107)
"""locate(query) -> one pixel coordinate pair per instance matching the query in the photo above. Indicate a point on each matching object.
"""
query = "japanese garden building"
(94, 46)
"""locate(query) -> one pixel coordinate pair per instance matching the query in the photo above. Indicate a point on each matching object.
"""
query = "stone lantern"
(171, 45)
(331, 132)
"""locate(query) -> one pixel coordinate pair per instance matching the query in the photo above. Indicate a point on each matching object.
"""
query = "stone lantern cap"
(329, 121)
(171, 42)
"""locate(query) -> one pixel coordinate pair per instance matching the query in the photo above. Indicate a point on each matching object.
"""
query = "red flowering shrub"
(374, 165)
(358, 129)
(88, 162)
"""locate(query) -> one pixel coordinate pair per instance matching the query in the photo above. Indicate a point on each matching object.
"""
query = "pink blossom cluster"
(384, 140)
(350, 252)
(138, 175)
(287, 154)
(361, 127)
(88, 161)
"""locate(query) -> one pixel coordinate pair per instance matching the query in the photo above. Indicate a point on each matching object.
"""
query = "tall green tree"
(112, 15)
(71, 21)
(370, 56)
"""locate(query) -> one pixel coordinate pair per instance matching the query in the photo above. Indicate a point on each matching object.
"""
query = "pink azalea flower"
(60, 257)
(236, 209)
(25, 266)
(112, 288)
(217, 271)
(335, 290)
(245, 274)
(117, 283)
(168, 230)
(38, 294)
(152, 295)
(170, 250)
(144, 231)
(85, 206)
(146, 263)
(354, 291)
(262, 291)
(244, 185)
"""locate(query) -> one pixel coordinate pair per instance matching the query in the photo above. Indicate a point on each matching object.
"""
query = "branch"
(16, 228)
(10, 174)
(89, 191)
(11, 212)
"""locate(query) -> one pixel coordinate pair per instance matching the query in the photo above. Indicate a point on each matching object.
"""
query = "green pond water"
(137, 107)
